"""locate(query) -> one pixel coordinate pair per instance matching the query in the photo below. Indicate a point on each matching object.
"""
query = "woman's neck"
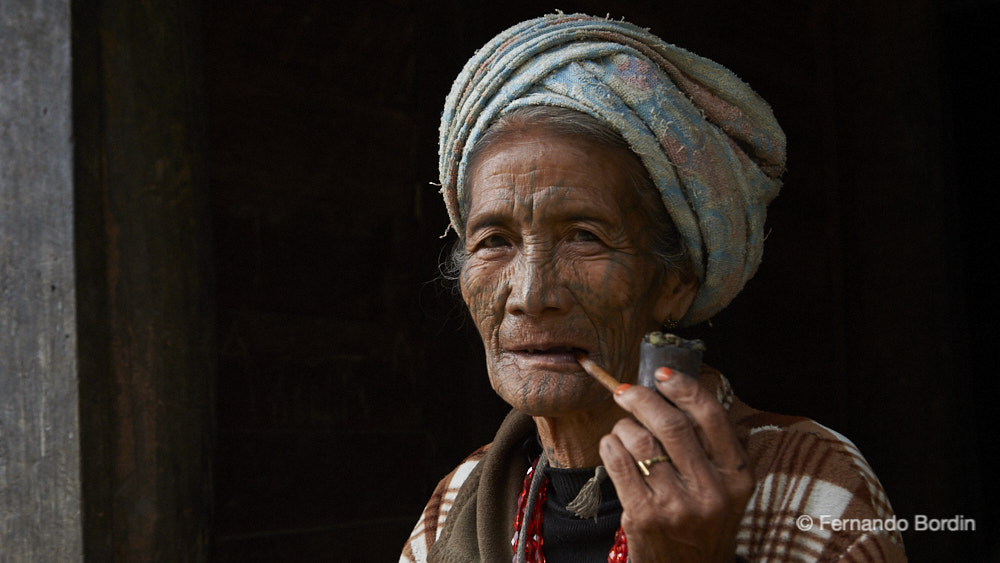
(573, 440)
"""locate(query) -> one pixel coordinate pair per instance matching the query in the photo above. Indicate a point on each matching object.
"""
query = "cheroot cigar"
(658, 349)
(597, 372)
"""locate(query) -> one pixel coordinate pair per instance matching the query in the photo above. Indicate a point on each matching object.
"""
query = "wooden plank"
(146, 346)
(40, 511)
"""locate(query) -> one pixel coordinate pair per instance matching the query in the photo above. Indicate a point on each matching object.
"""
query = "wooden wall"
(144, 281)
(340, 358)
(348, 383)
(266, 365)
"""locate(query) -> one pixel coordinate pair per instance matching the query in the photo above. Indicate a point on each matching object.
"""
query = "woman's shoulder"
(780, 442)
(430, 523)
(816, 496)
(799, 448)
(452, 482)
(814, 491)
(807, 463)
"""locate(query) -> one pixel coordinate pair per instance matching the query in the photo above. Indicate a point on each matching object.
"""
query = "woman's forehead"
(556, 175)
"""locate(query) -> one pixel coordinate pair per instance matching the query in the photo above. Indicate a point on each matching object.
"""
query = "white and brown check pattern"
(803, 471)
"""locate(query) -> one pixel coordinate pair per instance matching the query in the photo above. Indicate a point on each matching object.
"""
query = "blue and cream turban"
(711, 145)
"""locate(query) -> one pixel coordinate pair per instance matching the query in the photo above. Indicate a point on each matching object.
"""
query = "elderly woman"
(604, 184)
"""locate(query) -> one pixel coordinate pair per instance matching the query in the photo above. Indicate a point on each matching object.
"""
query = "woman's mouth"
(547, 357)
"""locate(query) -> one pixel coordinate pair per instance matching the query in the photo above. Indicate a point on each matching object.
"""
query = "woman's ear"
(675, 298)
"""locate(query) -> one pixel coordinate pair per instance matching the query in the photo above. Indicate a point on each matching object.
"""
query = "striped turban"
(711, 145)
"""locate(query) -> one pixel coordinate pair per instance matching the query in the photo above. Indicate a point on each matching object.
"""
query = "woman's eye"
(494, 241)
(582, 235)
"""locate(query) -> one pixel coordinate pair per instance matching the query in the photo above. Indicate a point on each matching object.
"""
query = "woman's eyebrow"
(584, 216)
(587, 219)
(486, 219)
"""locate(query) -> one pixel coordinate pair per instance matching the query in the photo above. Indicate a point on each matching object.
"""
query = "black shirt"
(567, 538)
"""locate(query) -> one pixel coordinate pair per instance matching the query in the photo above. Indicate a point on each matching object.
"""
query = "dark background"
(349, 380)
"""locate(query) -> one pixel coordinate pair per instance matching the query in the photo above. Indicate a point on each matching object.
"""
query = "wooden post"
(106, 307)
(40, 514)
(147, 306)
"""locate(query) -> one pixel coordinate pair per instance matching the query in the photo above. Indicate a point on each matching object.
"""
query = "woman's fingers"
(690, 506)
(715, 431)
(694, 431)
(672, 428)
(643, 497)
(645, 448)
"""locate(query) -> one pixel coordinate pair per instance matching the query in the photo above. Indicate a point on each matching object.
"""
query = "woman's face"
(559, 261)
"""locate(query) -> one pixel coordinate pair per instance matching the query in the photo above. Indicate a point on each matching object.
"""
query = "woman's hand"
(688, 508)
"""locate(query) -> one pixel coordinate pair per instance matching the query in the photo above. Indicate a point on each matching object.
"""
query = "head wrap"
(711, 145)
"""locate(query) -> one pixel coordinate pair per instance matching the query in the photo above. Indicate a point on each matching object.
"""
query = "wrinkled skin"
(688, 509)
(559, 261)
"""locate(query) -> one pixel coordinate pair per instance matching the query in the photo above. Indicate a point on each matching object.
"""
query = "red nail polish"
(622, 388)
(663, 374)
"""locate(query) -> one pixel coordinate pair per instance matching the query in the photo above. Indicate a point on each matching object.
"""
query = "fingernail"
(622, 388)
(663, 374)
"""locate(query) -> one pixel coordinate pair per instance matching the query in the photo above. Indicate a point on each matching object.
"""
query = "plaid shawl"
(802, 469)
(710, 144)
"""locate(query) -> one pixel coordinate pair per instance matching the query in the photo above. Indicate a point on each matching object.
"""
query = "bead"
(533, 543)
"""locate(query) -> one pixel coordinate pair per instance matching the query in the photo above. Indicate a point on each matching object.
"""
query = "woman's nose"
(536, 287)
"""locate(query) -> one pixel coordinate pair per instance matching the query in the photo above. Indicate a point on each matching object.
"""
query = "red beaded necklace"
(533, 543)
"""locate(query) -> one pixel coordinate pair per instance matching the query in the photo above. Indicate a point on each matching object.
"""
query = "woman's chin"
(553, 395)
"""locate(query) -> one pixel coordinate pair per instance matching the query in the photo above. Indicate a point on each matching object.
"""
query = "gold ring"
(645, 464)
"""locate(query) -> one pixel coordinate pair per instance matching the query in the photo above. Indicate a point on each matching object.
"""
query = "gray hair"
(665, 240)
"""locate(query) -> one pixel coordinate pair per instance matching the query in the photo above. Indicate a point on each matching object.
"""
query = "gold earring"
(669, 324)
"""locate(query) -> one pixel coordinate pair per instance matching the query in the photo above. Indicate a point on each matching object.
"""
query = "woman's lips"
(556, 357)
